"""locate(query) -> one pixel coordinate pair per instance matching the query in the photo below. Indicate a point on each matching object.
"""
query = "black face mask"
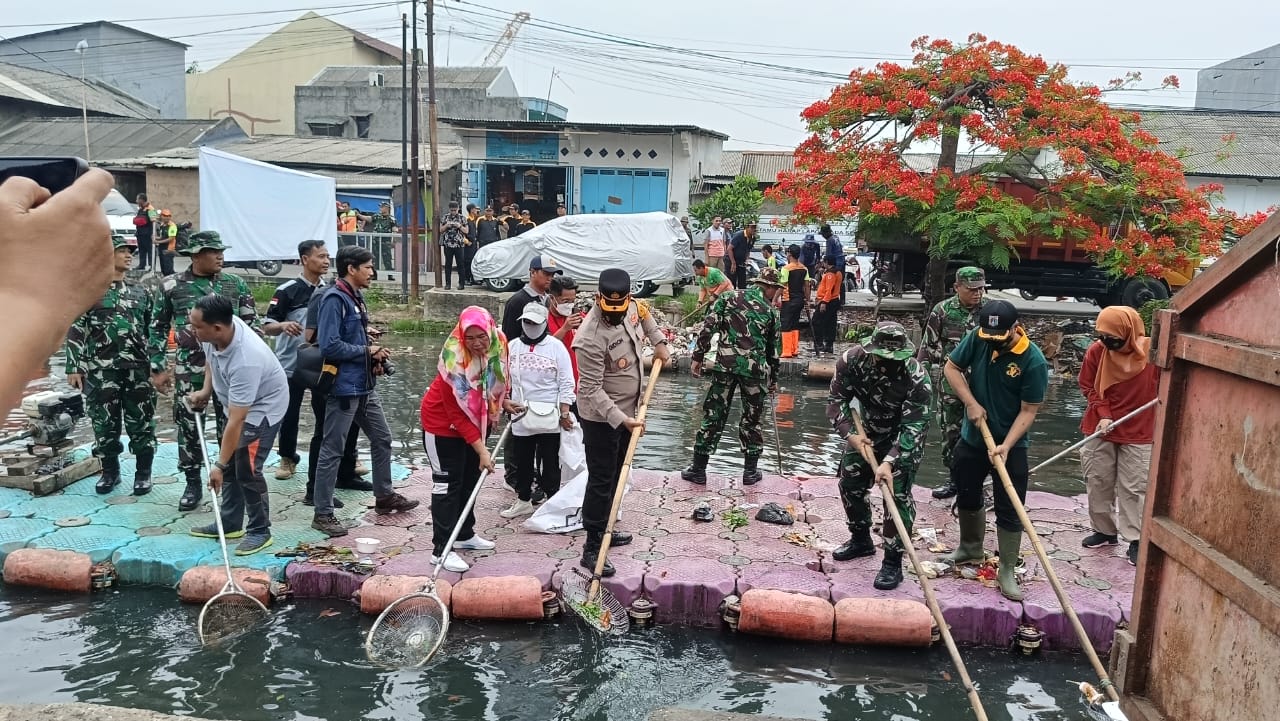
(614, 317)
(998, 345)
(1112, 343)
(888, 366)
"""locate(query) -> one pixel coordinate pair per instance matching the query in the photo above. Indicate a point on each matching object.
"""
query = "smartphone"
(55, 174)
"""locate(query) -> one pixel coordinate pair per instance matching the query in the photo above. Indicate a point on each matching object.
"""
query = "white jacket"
(543, 373)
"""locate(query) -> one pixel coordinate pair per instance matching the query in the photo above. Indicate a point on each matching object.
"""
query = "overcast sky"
(650, 62)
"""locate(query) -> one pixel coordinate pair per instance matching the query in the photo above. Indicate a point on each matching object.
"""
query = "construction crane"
(508, 36)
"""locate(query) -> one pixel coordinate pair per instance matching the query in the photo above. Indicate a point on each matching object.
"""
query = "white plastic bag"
(562, 513)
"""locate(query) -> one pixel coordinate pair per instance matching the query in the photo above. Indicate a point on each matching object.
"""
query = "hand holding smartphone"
(52, 174)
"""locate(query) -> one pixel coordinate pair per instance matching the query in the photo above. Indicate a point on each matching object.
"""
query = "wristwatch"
(224, 467)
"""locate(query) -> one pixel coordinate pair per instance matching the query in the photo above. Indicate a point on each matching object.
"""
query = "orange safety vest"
(348, 222)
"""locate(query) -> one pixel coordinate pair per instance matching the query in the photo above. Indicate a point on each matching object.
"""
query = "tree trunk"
(935, 277)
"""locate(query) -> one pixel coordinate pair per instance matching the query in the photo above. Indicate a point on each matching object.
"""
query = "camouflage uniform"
(741, 335)
(383, 223)
(114, 347)
(895, 415)
(944, 328)
(180, 292)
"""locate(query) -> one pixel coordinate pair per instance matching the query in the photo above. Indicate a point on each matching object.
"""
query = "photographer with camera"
(343, 337)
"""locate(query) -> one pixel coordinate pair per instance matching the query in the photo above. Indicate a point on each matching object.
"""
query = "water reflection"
(139, 649)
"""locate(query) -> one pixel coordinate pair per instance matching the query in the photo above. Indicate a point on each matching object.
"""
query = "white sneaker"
(452, 562)
(476, 543)
(517, 509)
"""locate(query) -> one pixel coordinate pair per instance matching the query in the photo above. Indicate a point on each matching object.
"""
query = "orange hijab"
(1118, 366)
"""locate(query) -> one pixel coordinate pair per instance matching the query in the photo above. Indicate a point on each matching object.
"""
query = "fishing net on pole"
(601, 609)
(409, 631)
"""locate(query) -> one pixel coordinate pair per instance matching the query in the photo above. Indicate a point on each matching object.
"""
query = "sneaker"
(392, 503)
(211, 531)
(452, 562)
(252, 544)
(329, 525)
(1096, 539)
(1132, 553)
(311, 501)
(517, 509)
(538, 497)
(286, 468)
(476, 543)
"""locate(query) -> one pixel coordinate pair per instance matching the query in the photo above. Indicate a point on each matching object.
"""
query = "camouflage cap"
(768, 276)
(124, 241)
(971, 277)
(204, 240)
(889, 340)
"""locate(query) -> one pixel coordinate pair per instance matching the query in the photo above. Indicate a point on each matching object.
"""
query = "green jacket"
(741, 336)
(117, 332)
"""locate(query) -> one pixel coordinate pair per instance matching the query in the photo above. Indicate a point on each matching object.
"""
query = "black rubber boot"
(858, 545)
(142, 473)
(591, 554)
(620, 538)
(191, 496)
(751, 474)
(110, 474)
(697, 471)
(946, 490)
(890, 571)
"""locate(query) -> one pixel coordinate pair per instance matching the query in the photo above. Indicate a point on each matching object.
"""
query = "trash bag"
(703, 513)
(562, 513)
(773, 513)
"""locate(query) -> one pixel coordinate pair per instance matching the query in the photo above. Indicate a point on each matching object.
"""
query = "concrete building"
(257, 85)
(367, 101)
(589, 167)
(145, 66)
(1249, 82)
(26, 94)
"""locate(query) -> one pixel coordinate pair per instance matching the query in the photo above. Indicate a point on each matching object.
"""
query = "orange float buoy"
(510, 598)
(201, 583)
(792, 616)
(883, 622)
(49, 569)
(378, 592)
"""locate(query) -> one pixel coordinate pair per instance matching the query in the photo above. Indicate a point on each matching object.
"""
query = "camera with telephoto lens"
(388, 368)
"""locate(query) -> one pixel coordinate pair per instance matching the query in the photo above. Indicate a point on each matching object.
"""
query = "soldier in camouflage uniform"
(894, 392)
(111, 354)
(741, 335)
(383, 222)
(944, 328)
(181, 290)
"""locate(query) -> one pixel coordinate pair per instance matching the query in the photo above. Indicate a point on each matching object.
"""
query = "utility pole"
(404, 156)
(434, 243)
(416, 181)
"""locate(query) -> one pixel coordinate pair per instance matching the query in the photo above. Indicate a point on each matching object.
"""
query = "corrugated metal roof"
(454, 77)
(100, 23)
(108, 137)
(556, 126)
(765, 165)
(348, 155)
(1219, 143)
(65, 91)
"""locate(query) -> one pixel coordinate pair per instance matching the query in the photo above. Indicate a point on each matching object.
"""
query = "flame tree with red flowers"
(1098, 177)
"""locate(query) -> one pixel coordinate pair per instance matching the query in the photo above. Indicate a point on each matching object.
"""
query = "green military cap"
(971, 277)
(124, 241)
(204, 240)
(889, 340)
(768, 276)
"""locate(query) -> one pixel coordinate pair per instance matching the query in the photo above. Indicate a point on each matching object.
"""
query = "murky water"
(138, 647)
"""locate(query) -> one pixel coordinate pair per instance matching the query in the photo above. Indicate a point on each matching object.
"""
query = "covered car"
(651, 247)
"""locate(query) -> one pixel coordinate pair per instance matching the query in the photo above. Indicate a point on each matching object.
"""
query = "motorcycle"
(265, 267)
(852, 273)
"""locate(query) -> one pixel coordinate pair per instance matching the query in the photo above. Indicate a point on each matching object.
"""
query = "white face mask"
(564, 309)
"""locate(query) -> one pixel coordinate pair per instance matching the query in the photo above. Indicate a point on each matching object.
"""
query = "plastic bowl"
(367, 545)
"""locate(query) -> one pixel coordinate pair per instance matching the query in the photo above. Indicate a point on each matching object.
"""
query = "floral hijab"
(479, 383)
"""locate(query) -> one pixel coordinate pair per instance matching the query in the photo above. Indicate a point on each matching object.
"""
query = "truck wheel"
(269, 267)
(1027, 295)
(1138, 291)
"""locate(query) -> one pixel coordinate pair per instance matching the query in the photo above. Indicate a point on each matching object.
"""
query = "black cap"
(615, 289)
(996, 318)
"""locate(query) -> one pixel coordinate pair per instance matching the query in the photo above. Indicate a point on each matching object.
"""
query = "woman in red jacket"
(460, 408)
(1117, 378)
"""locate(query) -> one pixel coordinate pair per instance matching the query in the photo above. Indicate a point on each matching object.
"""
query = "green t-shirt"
(1001, 384)
(713, 279)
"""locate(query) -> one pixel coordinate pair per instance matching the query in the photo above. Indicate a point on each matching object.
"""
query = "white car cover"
(649, 246)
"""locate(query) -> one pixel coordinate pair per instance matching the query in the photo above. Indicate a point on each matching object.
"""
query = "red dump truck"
(1040, 267)
(1203, 642)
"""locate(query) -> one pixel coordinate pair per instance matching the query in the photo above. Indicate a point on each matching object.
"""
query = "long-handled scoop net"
(233, 611)
(1085, 643)
(1076, 446)
(585, 596)
(925, 585)
(412, 629)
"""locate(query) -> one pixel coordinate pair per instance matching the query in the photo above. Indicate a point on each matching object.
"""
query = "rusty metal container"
(1204, 638)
